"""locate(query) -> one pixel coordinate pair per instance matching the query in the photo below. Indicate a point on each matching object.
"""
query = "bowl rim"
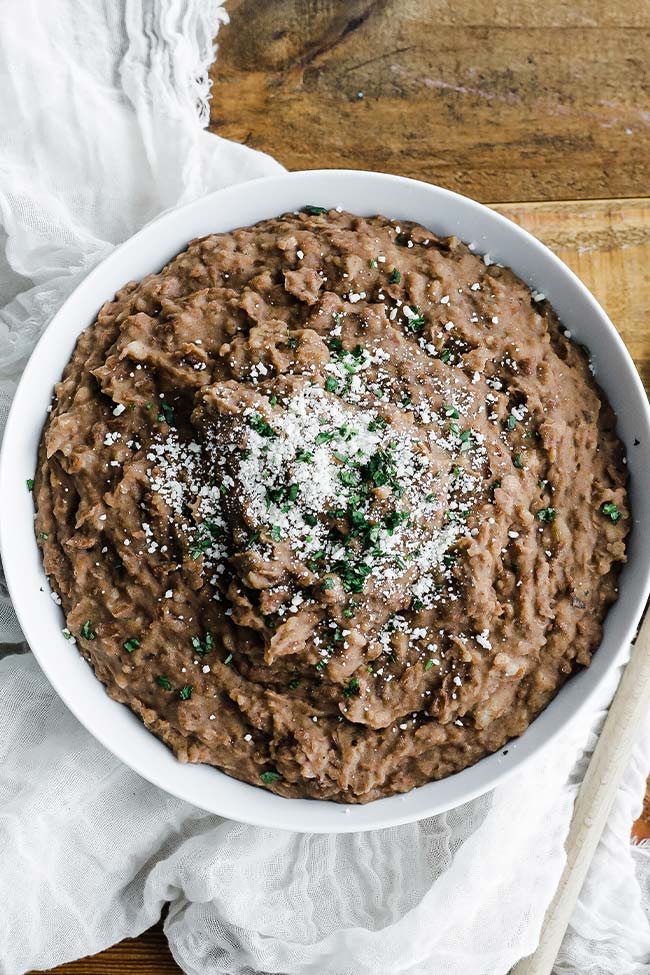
(227, 796)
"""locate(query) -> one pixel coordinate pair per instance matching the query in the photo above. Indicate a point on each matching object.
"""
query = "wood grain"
(607, 242)
(501, 101)
(146, 955)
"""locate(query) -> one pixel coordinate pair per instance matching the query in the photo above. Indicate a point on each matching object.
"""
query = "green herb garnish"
(546, 514)
(269, 777)
(87, 631)
(612, 512)
(201, 647)
(131, 645)
(164, 683)
(415, 323)
(395, 518)
(166, 414)
(260, 426)
(324, 436)
(30, 483)
(395, 276)
(351, 688)
(352, 575)
(185, 693)
(314, 211)
(428, 665)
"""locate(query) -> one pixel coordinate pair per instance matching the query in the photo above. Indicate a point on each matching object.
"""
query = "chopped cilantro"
(416, 322)
(310, 519)
(466, 441)
(185, 693)
(428, 665)
(328, 583)
(260, 426)
(379, 469)
(314, 211)
(131, 645)
(451, 411)
(201, 647)
(546, 514)
(304, 456)
(445, 355)
(517, 461)
(269, 777)
(395, 276)
(228, 660)
(352, 575)
(276, 533)
(292, 342)
(164, 683)
(294, 683)
(324, 436)
(351, 688)
(511, 422)
(43, 535)
(87, 631)
(331, 385)
(273, 401)
(611, 511)
(372, 263)
(166, 414)
(395, 518)
(30, 483)
(203, 540)
(379, 423)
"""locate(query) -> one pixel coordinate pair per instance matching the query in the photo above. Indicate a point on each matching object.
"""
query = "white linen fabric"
(103, 108)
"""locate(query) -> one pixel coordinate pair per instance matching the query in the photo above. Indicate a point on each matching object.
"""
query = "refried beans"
(332, 503)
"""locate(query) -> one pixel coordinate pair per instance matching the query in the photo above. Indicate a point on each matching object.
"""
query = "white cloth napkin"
(102, 116)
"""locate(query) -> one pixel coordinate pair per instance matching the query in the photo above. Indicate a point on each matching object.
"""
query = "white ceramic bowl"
(363, 193)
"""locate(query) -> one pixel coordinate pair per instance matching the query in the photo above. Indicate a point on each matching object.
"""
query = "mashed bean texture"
(332, 504)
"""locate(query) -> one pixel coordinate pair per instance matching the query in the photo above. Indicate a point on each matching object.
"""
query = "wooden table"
(544, 104)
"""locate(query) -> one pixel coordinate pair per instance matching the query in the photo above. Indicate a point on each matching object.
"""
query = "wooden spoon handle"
(595, 800)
